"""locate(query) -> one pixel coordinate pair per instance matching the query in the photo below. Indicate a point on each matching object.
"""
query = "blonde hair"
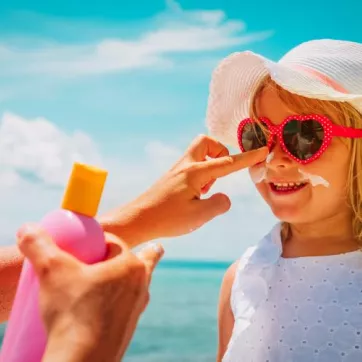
(342, 113)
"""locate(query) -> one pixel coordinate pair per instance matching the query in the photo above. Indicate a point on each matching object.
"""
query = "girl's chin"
(288, 214)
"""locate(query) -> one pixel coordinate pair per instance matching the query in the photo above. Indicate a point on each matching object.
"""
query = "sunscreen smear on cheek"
(258, 173)
(314, 180)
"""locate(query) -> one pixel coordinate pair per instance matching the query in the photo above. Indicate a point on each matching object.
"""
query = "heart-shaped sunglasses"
(303, 137)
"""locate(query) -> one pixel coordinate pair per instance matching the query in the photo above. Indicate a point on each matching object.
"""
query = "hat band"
(322, 77)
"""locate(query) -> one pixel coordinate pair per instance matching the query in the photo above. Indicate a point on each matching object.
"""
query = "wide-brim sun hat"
(324, 69)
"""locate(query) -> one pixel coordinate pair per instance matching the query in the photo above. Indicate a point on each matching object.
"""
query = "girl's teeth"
(287, 186)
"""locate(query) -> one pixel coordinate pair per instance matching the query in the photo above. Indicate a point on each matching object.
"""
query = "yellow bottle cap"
(84, 190)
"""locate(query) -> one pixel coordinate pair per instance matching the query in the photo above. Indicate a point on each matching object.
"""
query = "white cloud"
(39, 149)
(176, 31)
(161, 154)
(35, 156)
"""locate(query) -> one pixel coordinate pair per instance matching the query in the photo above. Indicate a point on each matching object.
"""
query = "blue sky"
(126, 85)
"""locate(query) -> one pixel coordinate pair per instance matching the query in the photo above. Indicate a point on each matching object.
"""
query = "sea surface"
(180, 323)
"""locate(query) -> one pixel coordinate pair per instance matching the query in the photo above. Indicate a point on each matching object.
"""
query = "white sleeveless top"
(299, 309)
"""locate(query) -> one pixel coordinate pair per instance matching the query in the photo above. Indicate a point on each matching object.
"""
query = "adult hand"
(174, 206)
(90, 311)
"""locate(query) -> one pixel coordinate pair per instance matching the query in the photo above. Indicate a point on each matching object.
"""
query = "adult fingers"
(150, 255)
(122, 262)
(204, 146)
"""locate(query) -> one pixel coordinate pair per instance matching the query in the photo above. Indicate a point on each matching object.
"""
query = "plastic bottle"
(75, 230)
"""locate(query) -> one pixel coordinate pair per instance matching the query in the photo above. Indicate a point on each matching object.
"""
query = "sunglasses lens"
(254, 136)
(303, 139)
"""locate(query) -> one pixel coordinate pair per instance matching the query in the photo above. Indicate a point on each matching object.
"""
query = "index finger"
(224, 166)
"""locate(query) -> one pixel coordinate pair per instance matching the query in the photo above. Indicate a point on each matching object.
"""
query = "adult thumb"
(213, 206)
(151, 255)
(38, 247)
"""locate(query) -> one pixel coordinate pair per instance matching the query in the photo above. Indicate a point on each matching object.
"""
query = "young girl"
(297, 294)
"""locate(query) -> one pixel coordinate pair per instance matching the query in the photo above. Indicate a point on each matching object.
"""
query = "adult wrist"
(131, 223)
(76, 346)
(61, 349)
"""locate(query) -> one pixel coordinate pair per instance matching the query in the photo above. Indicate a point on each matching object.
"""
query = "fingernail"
(158, 248)
(25, 229)
(154, 246)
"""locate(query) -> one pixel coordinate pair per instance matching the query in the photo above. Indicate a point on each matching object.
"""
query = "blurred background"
(124, 85)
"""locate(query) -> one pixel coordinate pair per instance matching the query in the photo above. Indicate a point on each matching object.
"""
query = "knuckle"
(30, 236)
(24, 241)
(228, 160)
(48, 264)
(190, 168)
(205, 138)
(186, 171)
(190, 173)
(201, 139)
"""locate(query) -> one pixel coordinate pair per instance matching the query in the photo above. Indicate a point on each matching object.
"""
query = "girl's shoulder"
(227, 284)
(244, 271)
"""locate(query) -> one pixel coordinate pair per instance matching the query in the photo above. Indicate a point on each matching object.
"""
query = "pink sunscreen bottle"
(74, 229)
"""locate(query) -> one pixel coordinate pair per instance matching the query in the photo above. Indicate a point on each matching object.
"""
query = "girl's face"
(309, 203)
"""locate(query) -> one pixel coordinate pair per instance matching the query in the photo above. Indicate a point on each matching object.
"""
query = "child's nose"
(279, 159)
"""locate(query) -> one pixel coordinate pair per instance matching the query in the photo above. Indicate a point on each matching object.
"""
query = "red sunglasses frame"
(330, 130)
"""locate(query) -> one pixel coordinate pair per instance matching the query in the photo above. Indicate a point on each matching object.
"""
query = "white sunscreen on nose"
(269, 157)
(314, 180)
(258, 174)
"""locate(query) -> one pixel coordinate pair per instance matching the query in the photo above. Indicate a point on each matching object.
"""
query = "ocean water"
(180, 323)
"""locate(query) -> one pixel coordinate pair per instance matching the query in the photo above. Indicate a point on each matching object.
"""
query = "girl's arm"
(11, 262)
(225, 317)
